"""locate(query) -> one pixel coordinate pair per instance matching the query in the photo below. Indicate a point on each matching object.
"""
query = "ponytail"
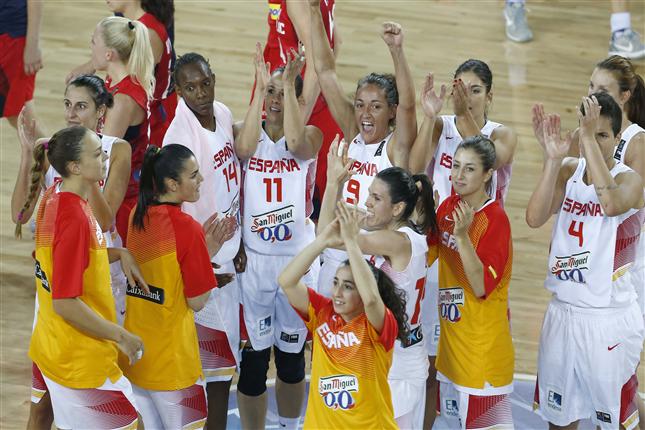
(131, 41)
(427, 221)
(63, 147)
(625, 74)
(636, 104)
(158, 165)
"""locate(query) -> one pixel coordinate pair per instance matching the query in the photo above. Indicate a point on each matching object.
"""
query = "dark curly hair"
(386, 82)
(393, 297)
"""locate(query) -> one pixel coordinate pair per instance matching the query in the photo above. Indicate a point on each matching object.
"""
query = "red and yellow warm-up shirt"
(173, 258)
(475, 345)
(350, 364)
(71, 262)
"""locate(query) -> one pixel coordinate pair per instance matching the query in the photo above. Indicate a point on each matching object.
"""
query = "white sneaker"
(627, 43)
(517, 29)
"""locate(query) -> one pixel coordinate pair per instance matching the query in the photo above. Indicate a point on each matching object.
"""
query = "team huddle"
(176, 245)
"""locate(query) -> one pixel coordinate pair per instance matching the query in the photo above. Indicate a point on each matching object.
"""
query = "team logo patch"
(571, 267)
(336, 391)
(451, 408)
(274, 225)
(289, 338)
(619, 150)
(554, 400)
(264, 326)
(41, 275)
(603, 416)
(450, 302)
(274, 10)
(415, 336)
(156, 295)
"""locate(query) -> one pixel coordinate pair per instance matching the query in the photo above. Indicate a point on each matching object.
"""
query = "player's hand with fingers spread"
(460, 96)
(463, 216)
(262, 75)
(430, 101)
(349, 224)
(292, 69)
(339, 167)
(217, 231)
(392, 34)
(131, 270)
(555, 147)
(27, 129)
(130, 344)
(589, 118)
(538, 118)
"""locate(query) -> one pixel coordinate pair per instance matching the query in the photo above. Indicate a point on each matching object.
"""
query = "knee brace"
(253, 371)
(290, 366)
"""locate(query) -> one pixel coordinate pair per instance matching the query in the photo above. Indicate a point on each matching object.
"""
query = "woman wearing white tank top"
(433, 153)
(86, 102)
(399, 213)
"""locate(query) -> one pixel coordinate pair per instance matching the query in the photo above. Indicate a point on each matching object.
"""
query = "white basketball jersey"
(368, 161)
(591, 252)
(441, 164)
(218, 164)
(638, 269)
(275, 189)
(410, 359)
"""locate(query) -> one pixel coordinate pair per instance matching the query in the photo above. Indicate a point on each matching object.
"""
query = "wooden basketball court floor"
(570, 37)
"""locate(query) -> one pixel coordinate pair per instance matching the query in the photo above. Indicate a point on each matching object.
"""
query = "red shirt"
(136, 135)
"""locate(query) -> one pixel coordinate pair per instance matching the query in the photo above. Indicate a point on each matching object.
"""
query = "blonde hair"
(131, 41)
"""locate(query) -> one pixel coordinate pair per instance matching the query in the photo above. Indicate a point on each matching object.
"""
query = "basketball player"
(380, 100)
(475, 357)
(354, 332)
(158, 17)
(289, 28)
(86, 101)
(20, 57)
(76, 340)
(121, 48)
(593, 327)
(399, 247)
(276, 154)
(433, 152)
(174, 256)
(205, 126)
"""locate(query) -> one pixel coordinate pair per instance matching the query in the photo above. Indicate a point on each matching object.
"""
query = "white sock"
(509, 2)
(289, 423)
(620, 21)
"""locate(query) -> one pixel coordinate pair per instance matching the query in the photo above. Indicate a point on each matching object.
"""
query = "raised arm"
(28, 142)
(617, 195)
(289, 278)
(549, 191)
(303, 141)
(106, 203)
(425, 144)
(406, 117)
(341, 108)
(338, 172)
(363, 276)
(247, 133)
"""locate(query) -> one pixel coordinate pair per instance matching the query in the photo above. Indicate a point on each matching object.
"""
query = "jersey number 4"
(230, 173)
(575, 230)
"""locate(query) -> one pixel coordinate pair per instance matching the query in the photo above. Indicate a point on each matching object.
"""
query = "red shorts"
(218, 362)
(38, 386)
(16, 87)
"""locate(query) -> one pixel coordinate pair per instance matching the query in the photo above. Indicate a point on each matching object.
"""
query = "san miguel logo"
(571, 267)
(450, 302)
(156, 295)
(336, 391)
(274, 225)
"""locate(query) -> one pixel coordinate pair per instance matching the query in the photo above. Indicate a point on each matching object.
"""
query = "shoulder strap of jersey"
(625, 139)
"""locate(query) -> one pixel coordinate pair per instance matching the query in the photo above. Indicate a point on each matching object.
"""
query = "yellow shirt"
(172, 255)
(475, 345)
(350, 364)
(71, 262)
